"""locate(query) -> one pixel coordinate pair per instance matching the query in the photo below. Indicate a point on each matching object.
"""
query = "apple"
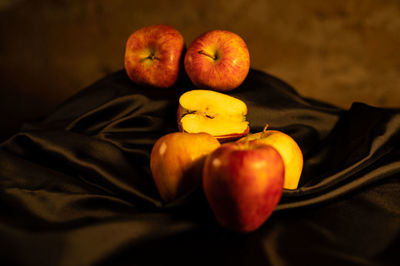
(217, 60)
(176, 162)
(289, 150)
(243, 183)
(154, 56)
(215, 113)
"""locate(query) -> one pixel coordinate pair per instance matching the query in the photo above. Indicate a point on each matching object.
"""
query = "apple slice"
(215, 113)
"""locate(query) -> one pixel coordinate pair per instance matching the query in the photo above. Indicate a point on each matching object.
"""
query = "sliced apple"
(215, 113)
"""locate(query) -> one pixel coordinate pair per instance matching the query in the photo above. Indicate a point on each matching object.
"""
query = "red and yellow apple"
(154, 56)
(289, 150)
(218, 60)
(215, 113)
(176, 162)
(243, 183)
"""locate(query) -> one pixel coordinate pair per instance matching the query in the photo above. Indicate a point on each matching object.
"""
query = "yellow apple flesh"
(288, 149)
(177, 160)
(215, 113)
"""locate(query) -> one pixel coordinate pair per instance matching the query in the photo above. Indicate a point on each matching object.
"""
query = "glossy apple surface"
(154, 56)
(176, 162)
(243, 183)
(215, 113)
(217, 60)
(289, 150)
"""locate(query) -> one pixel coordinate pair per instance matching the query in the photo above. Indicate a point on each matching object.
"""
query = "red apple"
(217, 60)
(289, 150)
(154, 56)
(243, 182)
(176, 162)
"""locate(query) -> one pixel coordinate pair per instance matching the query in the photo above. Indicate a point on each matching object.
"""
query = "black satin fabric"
(76, 187)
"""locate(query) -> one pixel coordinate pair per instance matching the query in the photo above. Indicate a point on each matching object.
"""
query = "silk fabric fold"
(76, 188)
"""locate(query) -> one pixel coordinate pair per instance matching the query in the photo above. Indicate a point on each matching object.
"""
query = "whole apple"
(289, 150)
(154, 56)
(177, 160)
(217, 60)
(243, 182)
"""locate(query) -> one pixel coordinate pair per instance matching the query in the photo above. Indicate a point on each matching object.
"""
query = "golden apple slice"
(215, 113)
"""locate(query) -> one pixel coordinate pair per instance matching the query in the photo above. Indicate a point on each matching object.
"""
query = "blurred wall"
(339, 51)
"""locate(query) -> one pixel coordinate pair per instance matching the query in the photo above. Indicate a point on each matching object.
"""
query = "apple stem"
(265, 127)
(215, 57)
(152, 56)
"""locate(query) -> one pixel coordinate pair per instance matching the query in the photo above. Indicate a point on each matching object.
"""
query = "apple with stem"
(154, 56)
(289, 150)
(217, 60)
(243, 183)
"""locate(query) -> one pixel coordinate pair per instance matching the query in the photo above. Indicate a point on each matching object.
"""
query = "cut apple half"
(217, 114)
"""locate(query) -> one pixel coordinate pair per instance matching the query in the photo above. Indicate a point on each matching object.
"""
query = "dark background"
(335, 51)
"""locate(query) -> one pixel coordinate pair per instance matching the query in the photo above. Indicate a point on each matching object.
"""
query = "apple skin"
(243, 183)
(232, 137)
(217, 60)
(289, 150)
(154, 56)
(176, 162)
